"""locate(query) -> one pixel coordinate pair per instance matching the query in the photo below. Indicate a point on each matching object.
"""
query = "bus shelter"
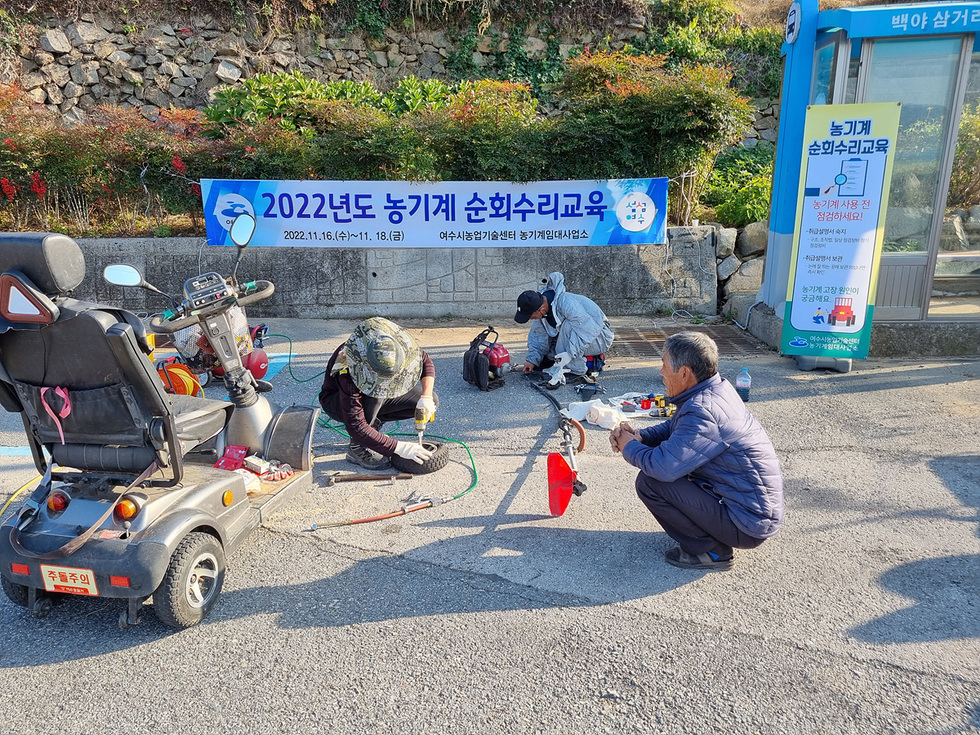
(927, 58)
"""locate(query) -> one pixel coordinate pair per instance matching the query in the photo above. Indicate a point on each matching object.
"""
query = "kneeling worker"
(567, 327)
(379, 374)
(709, 475)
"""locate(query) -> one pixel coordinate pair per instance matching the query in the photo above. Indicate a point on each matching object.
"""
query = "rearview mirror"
(120, 274)
(242, 229)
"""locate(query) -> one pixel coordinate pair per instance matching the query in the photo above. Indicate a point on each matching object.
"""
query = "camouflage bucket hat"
(383, 359)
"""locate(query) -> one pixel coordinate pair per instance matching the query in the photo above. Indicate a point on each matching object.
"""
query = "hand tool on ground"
(334, 479)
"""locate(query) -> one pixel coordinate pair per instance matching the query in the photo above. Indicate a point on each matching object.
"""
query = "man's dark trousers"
(692, 515)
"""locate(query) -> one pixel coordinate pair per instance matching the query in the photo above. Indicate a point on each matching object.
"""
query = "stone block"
(85, 33)
(953, 236)
(228, 72)
(908, 222)
(748, 277)
(728, 267)
(725, 241)
(55, 41)
(32, 81)
(752, 240)
(55, 97)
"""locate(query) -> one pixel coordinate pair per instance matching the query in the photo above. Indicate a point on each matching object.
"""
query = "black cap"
(527, 303)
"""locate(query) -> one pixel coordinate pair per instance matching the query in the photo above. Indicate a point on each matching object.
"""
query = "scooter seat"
(199, 419)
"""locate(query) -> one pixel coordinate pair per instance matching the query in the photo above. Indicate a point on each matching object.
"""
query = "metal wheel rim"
(202, 582)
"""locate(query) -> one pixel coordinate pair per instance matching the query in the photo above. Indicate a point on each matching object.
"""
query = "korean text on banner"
(840, 224)
(399, 214)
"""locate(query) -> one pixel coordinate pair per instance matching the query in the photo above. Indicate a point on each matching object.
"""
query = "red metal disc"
(561, 479)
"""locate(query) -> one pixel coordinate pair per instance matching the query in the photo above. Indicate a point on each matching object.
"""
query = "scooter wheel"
(16, 593)
(438, 460)
(192, 583)
(42, 607)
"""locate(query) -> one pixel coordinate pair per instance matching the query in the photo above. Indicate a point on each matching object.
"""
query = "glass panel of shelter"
(956, 281)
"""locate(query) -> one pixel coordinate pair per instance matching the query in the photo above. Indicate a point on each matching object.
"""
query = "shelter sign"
(441, 214)
(847, 166)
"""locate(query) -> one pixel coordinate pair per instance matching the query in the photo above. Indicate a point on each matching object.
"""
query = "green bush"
(740, 186)
(964, 184)
(631, 117)
(412, 94)
(712, 15)
(711, 32)
(625, 117)
(749, 204)
(689, 44)
(288, 97)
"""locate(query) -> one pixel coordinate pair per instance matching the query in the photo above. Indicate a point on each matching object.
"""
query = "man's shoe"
(364, 457)
(708, 561)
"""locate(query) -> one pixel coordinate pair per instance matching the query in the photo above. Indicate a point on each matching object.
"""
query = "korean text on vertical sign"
(398, 214)
(847, 164)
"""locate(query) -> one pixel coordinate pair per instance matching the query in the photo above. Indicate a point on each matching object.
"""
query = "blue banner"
(399, 214)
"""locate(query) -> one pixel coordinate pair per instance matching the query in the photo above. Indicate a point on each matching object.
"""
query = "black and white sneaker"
(364, 457)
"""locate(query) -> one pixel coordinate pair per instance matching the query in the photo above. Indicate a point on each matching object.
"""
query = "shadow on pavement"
(945, 591)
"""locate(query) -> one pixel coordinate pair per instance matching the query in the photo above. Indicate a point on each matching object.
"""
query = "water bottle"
(743, 383)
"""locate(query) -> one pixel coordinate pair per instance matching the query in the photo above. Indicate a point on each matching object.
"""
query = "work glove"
(556, 373)
(428, 406)
(413, 451)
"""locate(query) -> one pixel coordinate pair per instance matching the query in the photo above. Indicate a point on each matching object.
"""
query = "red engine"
(499, 359)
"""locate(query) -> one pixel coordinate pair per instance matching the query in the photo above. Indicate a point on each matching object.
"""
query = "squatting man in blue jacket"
(709, 475)
(566, 327)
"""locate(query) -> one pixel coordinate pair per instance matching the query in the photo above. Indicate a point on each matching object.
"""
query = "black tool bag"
(476, 365)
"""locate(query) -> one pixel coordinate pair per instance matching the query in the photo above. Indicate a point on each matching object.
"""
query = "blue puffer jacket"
(714, 439)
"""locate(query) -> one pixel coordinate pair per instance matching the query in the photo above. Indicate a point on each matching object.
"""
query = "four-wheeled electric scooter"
(131, 504)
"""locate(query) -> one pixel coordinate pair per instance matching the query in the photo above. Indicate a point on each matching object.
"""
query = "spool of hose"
(178, 379)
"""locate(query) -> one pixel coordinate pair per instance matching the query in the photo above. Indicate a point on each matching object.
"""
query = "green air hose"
(414, 504)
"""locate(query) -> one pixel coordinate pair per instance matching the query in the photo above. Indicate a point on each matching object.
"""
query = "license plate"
(72, 580)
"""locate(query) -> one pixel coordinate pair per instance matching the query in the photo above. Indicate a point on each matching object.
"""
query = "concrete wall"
(888, 339)
(470, 282)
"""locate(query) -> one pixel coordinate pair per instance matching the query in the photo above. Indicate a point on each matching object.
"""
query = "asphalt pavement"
(486, 614)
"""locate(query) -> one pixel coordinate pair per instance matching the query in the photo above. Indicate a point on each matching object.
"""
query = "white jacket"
(580, 328)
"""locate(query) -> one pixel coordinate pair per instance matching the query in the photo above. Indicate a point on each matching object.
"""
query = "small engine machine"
(486, 361)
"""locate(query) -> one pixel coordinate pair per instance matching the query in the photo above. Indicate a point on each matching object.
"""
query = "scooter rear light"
(126, 509)
(58, 501)
(20, 568)
(118, 581)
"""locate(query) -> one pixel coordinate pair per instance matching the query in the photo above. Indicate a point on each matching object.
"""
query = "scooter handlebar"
(264, 289)
(162, 324)
(166, 326)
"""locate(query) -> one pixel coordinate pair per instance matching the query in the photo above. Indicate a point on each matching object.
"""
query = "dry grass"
(754, 12)
(773, 12)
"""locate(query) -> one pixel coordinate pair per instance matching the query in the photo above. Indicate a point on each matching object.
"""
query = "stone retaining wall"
(74, 65)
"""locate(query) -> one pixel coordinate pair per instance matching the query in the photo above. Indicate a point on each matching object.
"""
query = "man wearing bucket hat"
(566, 328)
(379, 374)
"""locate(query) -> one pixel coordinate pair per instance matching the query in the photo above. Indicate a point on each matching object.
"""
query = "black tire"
(192, 583)
(438, 460)
(16, 593)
